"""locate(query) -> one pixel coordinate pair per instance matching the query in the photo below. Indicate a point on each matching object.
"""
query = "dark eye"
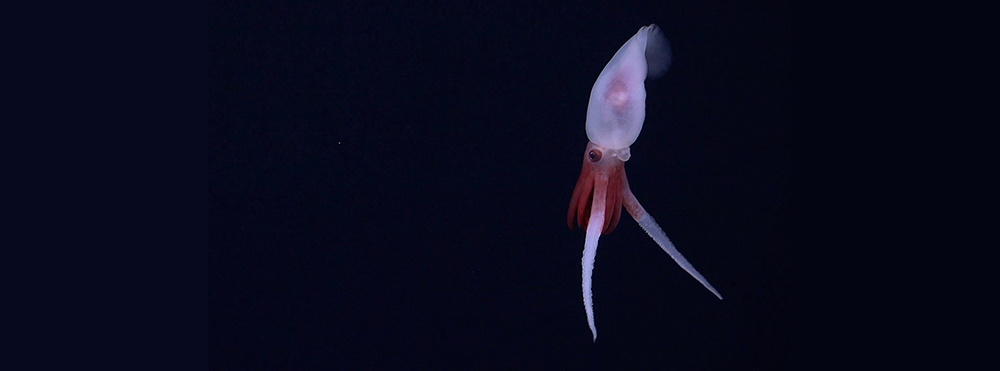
(595, 155)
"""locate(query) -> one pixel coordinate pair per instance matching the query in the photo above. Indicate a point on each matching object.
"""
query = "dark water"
(389, 182)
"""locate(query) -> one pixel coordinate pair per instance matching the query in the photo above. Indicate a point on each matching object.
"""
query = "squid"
(615, 114)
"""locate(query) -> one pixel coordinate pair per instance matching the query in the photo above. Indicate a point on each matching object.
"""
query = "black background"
(388, 185)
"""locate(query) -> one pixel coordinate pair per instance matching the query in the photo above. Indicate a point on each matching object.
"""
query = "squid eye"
(595, 155)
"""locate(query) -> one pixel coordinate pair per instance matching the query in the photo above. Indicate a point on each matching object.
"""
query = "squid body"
(615, 115)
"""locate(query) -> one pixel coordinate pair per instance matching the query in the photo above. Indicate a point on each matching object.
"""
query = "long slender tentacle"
(653, 230)
(594, 227)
